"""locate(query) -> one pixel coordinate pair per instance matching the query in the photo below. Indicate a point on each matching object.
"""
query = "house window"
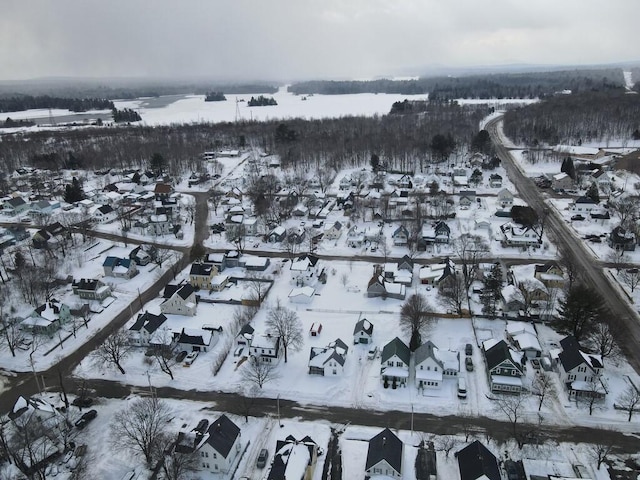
(572, 378)
(335, 372)
(435, 369)
(389, 364)
(398, 364)
(428, 367)
(215, 455)
(513, 372)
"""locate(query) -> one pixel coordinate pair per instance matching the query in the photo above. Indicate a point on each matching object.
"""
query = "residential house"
(265, 347)
(278, 234)
(355, 238)
(434, 274)
(516, 236)
(47, 318)
(400, 236)
(394, 363)
(143, 254)
(378, 286)
(333, 232)
(243, 339)
(306, 270)
(32, 408)
(405, 181)
(15, 206)
(119, 267)
(179, 300)
(580, 372)
(476, 462)
(495, 180)
(218, 260)
(90, 289)
(583, 205)
(432, 365)
(220, 446)
(505, 199)
(50, 237)
(467, 199)
(146, 327)
(257, 264)
(162, 191)
(294, 459)
(431, 233)
(550, 274)
(603, 180)
(561, 181)
(301, 295)
(505, 367)
(195, 339)
(384, 456)
(329, 360)
(201, 275)
(524, 337)
(104, 214)
(363, 332)
(622, 239)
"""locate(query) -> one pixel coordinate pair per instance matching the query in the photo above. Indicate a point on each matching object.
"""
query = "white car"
(190, 358)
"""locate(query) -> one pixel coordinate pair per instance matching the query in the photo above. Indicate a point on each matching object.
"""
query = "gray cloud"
(292, 39)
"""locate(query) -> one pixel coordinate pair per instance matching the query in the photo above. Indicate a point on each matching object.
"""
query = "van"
(462, 387)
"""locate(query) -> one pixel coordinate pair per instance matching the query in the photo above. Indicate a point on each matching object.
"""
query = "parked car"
(462, 388)
(535, 363)
(468, 349)
(181, 355)
(262, 458)
(86, 418)
(371, 354)
(82, 402)
(577, 217)
(468, 363)
(190, 358)
(238, 352)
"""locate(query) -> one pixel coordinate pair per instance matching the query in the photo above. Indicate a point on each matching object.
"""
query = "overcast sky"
(298, 39)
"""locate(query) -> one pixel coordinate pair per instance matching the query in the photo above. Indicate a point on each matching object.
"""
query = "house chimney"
(384, 441)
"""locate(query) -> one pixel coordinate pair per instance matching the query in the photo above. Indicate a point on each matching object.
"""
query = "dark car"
(577, 217)
(468, 349)
(181, 355)
(468, 363)
(202, 426)
(86, 418)
(82, 402)
(262, 458)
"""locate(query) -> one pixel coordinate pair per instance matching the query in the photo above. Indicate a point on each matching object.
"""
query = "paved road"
(628, 337)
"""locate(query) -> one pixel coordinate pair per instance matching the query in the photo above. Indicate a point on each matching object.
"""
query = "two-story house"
(505, 367)
(90, 289)
(306, 270)
(363, 332)
(476, 462)
(580, 372)
(505, 199)
(179, 300)
(265, 347)
(400, 236)
(384, 456)
(328, 361)
(145, 326)
(432, 365)
(550, 274)
(394, 363)
(201, 274)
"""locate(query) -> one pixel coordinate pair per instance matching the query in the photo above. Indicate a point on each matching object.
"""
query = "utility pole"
(278, 408)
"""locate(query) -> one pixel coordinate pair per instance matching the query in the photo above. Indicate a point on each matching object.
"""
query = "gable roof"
(363, 325)
(475, 461)
(425, 351)
(148, 321)
(221, 435)
(191, 336)
(201, 269)
(88, 284)
(396, 347)
(498, 353)
(572, 356)
(184, 291)
(385, 446)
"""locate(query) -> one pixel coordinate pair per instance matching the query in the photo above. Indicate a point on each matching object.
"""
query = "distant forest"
(402, 142)
(20, 103)
(86, 89)
(504, 85)
(574, 119)
(215, 97)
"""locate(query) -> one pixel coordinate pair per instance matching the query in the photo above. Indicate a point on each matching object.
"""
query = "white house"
(384, 456)
(432, 365)
(583, 205)
(179, 300)
(394, 363)
(218, 448)
(580, 372)
(505, 199)
(265, 347)
(104, 214)
(301, 295)
(145, 326)
(195, 339)
(305, 270)
(363, 332)
(328, 361)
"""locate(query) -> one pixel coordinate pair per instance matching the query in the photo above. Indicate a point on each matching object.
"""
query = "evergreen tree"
(157, 164)
(74, 192)
(580, 312)
(492, 291)
(568, 167)
(592, 193)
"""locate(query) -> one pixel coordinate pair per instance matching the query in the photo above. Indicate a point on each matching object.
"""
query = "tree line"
(19, 103)
(503, 85)
(125, 115)
(573, 119)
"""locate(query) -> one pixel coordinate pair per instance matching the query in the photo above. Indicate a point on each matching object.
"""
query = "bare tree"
(600, 449)
(30, 444)
(415, 316)
(592, 394)
(629, 400)
(237, 235)
(258, 287)
(631, 278)
(513, 407)
(445, 443)
(452, 293)
(470, 249)
(617, 258)
(543, 388)
(286, 324)
(164, 357)
(571, 269)
(258, 373)
(626, 209)
(113, 350)
(177, 465)
(140, 427)
(12, 335)
(602, 341)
